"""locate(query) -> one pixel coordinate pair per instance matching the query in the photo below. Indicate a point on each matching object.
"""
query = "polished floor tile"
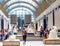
(32, 43)
(35, 43)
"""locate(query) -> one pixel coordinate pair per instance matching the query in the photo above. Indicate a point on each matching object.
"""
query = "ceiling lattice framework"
(39, 5)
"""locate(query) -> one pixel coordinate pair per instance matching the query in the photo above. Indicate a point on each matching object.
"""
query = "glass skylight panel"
(31, 2)
(19, 8)
(14, 13)
(22, 4)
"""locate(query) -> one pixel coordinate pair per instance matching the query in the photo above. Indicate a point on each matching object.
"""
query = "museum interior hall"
(29, 22)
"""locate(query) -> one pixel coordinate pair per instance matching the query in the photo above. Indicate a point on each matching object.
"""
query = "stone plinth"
(11, 43)
(51, 41)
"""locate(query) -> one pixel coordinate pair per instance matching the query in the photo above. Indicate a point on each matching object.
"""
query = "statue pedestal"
(51, 41)
(11, 43)
(53, 37)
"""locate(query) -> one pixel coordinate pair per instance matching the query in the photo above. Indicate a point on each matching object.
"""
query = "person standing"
(46, 33)
(1, 35)
(24, 33)
(41, 31)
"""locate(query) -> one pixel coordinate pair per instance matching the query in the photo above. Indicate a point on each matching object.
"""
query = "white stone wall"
(57, 18)
(50, 20)
(5, 24)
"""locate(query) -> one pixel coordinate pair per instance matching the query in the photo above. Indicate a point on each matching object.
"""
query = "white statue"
(11, 38)
(30, 29)
(53, 33)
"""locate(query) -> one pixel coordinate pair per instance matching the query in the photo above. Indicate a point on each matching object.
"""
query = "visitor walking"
(24, 33)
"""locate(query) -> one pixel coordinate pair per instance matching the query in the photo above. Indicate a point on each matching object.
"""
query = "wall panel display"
(13, 19)
(57, 18)
(50, 20)
(27, 19)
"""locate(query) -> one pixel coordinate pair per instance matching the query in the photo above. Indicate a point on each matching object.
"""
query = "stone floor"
(35, 43)
(32, 43)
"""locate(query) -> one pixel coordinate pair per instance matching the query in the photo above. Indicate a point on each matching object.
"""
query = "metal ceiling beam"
(19, 6)
(20, 2)
(9, 0)
(44, 5)
(36, 2)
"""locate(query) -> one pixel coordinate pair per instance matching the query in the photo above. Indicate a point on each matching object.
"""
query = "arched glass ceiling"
(20, 8)
(21, 12)
(27, 1)
(21, 5)
(19, 2)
